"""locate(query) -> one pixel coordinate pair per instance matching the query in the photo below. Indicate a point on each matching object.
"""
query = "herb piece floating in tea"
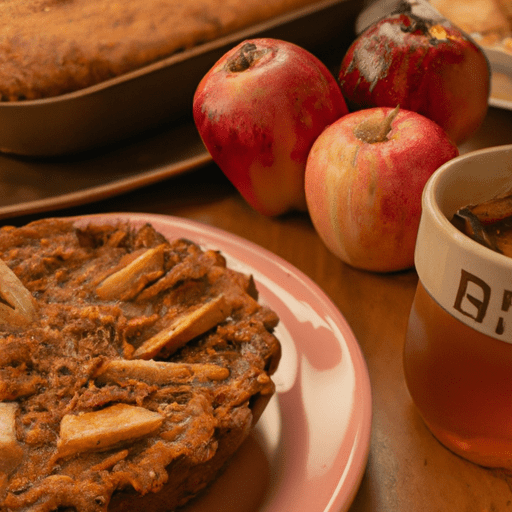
(488, 223)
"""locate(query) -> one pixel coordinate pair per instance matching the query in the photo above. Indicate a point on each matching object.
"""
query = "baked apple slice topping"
(184, 329)
(17, 305)
(126, 283)
(122, 371)
(106, 428)
(11, 452)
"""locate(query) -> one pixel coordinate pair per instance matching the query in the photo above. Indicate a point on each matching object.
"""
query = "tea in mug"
(461, 381)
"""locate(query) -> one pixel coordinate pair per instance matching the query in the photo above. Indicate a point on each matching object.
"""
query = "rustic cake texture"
(51, 47)
(131, 367)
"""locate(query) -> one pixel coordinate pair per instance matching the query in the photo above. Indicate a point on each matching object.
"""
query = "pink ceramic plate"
(310, 448)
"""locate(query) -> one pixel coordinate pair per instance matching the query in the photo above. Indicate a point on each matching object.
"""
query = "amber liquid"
(461, 383)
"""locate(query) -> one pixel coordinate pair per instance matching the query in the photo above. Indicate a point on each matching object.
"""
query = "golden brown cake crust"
(50, 47)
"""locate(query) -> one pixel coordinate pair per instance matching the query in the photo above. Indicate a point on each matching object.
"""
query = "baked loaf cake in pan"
(51, 47)
(131, 367)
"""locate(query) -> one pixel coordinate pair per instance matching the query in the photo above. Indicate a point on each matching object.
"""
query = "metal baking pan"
(32, 186)
(157, 94)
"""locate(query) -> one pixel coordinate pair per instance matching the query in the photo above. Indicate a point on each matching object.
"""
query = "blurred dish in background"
(489, 22)
(501, 84)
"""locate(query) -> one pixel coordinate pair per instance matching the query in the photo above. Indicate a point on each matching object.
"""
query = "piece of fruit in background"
(258, 111)
(364, 178)
(417, 59)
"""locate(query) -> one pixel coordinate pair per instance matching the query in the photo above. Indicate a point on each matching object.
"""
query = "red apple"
(418, 60)
(364, 179)
(258, 111)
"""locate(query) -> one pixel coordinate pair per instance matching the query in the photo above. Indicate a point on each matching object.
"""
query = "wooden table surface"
(408, 470)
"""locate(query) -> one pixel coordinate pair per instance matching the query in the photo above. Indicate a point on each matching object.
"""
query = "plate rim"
(350, 476)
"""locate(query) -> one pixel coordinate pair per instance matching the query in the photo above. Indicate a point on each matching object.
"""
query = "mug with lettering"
(458, 347)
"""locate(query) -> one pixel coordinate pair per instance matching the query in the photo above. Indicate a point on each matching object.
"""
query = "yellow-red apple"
(258, 111)
(417, 59)
(364, 178)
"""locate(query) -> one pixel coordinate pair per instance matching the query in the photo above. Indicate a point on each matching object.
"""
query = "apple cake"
(51, 47)
(131, 367)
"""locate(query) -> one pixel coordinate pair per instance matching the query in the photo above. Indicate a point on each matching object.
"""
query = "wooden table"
(408, 470)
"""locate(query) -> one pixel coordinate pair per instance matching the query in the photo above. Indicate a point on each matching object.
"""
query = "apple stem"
(370, 133)
(385, 127)
(245, 58)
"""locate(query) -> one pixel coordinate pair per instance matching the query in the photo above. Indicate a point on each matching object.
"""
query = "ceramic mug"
(458, 347)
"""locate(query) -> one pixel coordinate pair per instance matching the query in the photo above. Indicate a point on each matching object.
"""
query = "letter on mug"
(481, 305)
